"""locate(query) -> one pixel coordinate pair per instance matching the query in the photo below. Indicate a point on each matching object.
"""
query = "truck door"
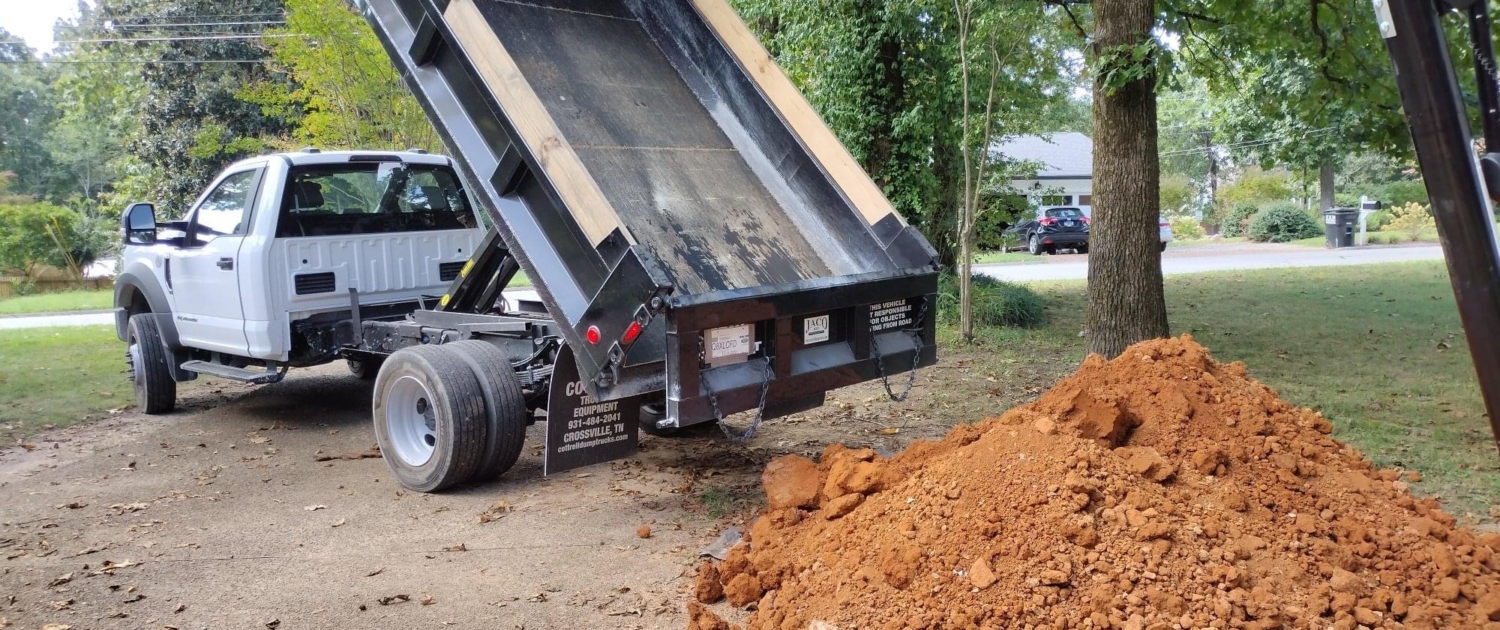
(205, 275)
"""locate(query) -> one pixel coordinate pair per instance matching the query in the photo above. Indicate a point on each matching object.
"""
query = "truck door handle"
(226, 264)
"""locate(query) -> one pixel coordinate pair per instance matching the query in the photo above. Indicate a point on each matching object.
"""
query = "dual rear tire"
(448, 414)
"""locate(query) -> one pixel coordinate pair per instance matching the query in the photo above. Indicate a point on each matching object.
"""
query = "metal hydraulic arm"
(483, 279)
(1457, 183)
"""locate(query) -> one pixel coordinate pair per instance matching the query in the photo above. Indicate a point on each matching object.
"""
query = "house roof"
(1061, 155)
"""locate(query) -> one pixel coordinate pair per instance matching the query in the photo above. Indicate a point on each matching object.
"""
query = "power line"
(194, 24)
(184, 38)
(39, 62)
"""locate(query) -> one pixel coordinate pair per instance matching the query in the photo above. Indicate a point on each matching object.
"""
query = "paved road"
(1219, 258)
(68, 319)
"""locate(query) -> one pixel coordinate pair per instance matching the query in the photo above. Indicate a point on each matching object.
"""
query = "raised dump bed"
(693, 227)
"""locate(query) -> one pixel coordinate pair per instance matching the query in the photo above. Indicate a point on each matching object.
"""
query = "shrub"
(1186, 228)
(1239, 219)
(1400, 193)
(996, 302)
(29, 236)
(1378, 220)
(1412, 220)
(1282, 222)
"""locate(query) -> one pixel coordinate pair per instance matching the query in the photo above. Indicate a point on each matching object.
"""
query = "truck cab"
(273, 263)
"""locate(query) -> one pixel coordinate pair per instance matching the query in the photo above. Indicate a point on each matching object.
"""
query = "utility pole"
(1213, 167)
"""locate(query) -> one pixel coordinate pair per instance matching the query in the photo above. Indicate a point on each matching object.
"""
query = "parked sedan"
(1165, 228)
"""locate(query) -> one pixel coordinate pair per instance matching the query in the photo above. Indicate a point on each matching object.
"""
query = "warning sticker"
(891, 315)
(582, 431)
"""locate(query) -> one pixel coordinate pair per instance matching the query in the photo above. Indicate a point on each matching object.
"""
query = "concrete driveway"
(1229, 257)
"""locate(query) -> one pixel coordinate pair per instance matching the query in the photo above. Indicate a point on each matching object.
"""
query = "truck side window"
(372, 198)
(223, 211)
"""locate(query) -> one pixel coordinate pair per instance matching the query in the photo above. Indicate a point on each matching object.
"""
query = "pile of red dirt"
(1157, 490)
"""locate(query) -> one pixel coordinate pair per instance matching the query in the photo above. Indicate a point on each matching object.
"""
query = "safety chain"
(760, 409)
(911, 376)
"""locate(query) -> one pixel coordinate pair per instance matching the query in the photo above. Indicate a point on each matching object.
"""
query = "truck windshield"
(372, 197)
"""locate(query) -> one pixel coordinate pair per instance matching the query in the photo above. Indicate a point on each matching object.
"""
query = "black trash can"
(1339, 225)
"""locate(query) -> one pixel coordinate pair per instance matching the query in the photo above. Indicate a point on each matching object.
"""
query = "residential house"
(1065, 173)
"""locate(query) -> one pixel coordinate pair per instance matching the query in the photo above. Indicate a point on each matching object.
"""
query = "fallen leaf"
(457, 547)
(116, 614)
(339, 523)
(73, 506)
(61, 580)
(273, 624)
(57, 626)
(314, 508)
(394, 599)
(890, 431)
(61, 605)
(138, 597)
(427, 600)
(375, 572)
(179, 608)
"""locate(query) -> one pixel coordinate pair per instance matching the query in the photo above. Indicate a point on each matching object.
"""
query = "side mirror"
(139, 223)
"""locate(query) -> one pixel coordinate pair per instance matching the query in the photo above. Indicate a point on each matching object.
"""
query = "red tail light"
(592, 334)
(1085, 220)
(1163, 224)
(1048, 221)
(631, 333)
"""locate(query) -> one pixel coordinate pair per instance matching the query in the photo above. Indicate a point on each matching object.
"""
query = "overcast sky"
(32, 20)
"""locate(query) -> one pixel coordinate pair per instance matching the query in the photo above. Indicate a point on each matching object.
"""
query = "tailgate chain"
(916, 357)
(760, 408)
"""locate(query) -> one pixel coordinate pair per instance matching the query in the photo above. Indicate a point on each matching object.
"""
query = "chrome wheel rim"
(411, 421)
(133, 359)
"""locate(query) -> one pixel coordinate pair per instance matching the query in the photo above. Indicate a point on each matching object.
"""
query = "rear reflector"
(631, 333)
(592, 335)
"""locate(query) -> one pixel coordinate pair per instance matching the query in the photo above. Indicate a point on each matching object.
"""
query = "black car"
(1056, 228)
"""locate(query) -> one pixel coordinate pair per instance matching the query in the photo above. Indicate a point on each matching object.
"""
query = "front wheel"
(151, 375)
(430, 418)
(1034, 245)
(1163, 247)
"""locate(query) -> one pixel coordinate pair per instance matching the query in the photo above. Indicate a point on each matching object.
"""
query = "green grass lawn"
(59, 376)
(58, 302)
(985, 258)
(1377, 348)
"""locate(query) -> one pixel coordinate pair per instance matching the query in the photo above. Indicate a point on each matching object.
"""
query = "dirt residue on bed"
(1157, 490)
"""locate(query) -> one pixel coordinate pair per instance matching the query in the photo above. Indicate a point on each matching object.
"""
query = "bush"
(1378, 220)
(1412, 220)
(996, 302)
(1186, 228)
(1239, 219)
(1400, 193)
(29, 236)
(1283, 222)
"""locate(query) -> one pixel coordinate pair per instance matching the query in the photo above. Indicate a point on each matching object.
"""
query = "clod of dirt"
(1160, 489)
(743, 590)
(643, 531)
(791, 481)
(701, 618)
(706, 587)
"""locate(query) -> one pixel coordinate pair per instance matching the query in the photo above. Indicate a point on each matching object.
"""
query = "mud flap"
(581, 431)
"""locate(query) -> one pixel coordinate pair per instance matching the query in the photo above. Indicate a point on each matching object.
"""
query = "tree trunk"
(1325, 186)
(1126, 303)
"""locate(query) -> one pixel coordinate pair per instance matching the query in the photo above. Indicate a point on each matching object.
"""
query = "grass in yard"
(985, 258)
(59, 376)
(58, 302)
(1377, 348)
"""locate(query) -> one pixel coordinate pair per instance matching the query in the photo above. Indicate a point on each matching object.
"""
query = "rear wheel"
(1083, 249)
(1034, 245)
(155, 391)
(504, 403)
(430, 418)
(1163, 247)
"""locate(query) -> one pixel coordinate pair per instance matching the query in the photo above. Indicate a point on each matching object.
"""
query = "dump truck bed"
(648, 164)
